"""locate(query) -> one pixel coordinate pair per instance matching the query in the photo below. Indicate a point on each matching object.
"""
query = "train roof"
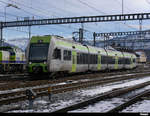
(13, 48)
(68, 43)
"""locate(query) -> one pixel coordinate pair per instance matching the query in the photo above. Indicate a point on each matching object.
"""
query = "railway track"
(7, 97)
(110, 95)
(132, 100)
(25, 81)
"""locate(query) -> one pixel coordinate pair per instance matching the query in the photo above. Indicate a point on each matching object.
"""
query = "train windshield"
(38, 52)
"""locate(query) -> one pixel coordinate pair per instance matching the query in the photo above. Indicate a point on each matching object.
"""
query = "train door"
(131, 62)
(74, 61)
(116, 61)
(99, 61)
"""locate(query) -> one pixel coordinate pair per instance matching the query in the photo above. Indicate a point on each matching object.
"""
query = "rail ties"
(19, 94)
(130, 102)
(104, 96)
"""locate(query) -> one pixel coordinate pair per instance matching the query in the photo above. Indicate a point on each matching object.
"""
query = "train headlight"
(44, 62)
(30, 62)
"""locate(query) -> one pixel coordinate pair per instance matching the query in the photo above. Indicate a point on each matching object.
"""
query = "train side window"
(67, 55)
(127, 61)
(104, 59)
(120, 60)
(57, 54)
(134, 60)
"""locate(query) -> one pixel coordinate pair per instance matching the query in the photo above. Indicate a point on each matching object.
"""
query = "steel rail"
(15, 96)
(100, 97)
(129, 102)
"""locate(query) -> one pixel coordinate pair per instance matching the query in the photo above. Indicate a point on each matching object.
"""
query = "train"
(12, 59)
(141, 57)
(54, 54)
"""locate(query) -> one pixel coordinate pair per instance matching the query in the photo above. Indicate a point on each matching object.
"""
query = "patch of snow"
(65, 99)
(102, 106)
(100, 89)
(142, 106)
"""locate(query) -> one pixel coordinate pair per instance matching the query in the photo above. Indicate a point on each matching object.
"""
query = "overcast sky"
(40, 9)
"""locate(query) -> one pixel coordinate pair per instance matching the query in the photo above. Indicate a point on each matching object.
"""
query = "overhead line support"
(1, 33)
(122, 33)
(82, 19)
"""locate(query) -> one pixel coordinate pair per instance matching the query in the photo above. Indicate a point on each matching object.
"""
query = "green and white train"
(52, 54)
(12, 59)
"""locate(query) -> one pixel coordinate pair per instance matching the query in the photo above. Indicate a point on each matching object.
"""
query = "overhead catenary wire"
(102, 12)
(42, 11)
(23, 17)
(30, 12)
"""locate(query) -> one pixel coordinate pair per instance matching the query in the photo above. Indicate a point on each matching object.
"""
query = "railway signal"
(50, 93)
(31, 95)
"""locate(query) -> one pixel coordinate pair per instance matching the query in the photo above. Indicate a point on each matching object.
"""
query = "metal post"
(104, 41)
(5, 12)
(122, 7)
(29, 32)
(50, 93)
(1, 33)
(140, 25)
(94, 37)
(81, 35)
(140, 28)
(31, 95)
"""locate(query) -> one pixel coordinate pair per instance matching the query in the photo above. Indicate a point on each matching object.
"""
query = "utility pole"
(81, 33)
(94, 38)
(140, 25)
(122, 7)
(1, 33)
(10, 5)
(29, 33)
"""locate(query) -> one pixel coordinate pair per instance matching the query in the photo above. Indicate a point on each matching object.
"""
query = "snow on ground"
(102, 89)
(108, 104)
(58, 101)
(102, 106)
(141, 106)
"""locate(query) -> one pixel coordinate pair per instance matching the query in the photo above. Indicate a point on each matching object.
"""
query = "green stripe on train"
(1, 55)
(131, 66)
(36, 39)
(74, 61)
(99, 62)
(13, 58)
(37, 64)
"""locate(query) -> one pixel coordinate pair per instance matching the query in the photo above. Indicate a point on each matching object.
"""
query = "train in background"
(12, 59)
(141, 57)
(55, 54)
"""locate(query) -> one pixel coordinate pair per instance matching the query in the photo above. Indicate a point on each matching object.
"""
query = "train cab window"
(57, 54)
(134, 60)
(67, 55)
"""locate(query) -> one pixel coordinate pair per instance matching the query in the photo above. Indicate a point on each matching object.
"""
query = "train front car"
(4, 61)
(37, 54)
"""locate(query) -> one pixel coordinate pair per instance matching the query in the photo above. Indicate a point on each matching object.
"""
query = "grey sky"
(67, 8)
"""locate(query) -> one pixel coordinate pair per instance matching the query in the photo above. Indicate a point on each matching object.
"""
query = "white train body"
(68, 56)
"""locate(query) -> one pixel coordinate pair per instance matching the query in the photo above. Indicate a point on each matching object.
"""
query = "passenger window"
(67, 55)
(57, 54)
